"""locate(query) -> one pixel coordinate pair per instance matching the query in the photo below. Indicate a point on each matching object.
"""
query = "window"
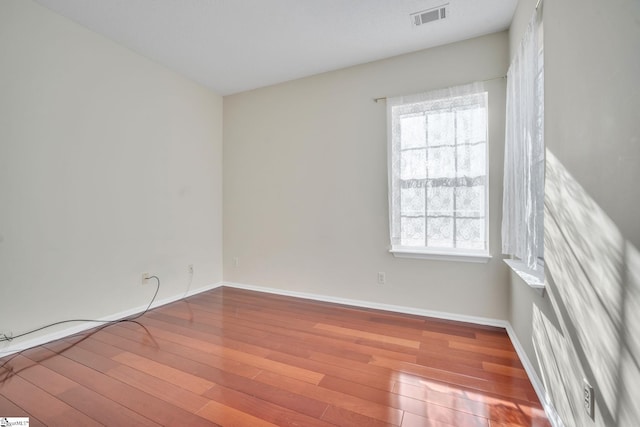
(438, 174)
(523, 194)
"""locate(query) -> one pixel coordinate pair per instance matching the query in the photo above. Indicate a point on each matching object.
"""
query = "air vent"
(429, 15)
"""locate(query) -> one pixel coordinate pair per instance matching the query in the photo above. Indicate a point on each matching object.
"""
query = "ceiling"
(232, 46)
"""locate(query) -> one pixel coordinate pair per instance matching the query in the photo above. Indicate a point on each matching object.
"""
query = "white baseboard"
(526, 363)
(80, 327)
(375, 305)
(537, 384)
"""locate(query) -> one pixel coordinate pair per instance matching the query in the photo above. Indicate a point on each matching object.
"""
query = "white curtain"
(523, 198)
(437, 169)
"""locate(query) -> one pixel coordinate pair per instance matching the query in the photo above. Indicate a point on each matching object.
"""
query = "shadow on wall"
(593, 279)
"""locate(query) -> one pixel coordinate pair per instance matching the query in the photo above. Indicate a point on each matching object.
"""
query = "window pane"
(441, 128)
(440, 232)
(412, 201)
(470, 201)
(413, 164)
(440, 201)
(470, 233)
(441, 163)
(412, 131)
(471, 125)
(412, 231)
(472, 160)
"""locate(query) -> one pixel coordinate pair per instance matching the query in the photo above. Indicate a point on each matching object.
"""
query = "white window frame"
(431, 101)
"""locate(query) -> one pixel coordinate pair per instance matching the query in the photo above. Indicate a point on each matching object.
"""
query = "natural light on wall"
(593, 280)
(438, 173)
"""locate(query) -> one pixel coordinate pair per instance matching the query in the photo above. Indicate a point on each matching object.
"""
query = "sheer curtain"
(437, 170)
(523, 199)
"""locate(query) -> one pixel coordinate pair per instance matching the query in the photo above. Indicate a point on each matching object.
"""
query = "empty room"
(320, 213)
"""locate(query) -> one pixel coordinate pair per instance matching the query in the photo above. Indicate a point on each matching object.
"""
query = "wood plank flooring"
(232, 357)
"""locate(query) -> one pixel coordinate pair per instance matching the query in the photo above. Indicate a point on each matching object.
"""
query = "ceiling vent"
(430, 15)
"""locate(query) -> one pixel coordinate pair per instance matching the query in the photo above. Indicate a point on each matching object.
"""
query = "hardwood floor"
(232, 357)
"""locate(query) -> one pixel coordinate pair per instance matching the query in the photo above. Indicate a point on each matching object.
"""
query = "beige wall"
(110, 166)
(305, 184)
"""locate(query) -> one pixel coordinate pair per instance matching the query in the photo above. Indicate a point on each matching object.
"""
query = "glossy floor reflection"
(235, 357)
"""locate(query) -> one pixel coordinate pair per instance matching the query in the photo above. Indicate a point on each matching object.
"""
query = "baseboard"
(528, 366)
(81, 327)
(375, 305)
(537, 384)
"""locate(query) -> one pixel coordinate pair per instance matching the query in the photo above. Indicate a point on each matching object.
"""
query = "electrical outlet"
(382, 278)
(145, 278)
(190, 267)
(588, 397)
(236, 261)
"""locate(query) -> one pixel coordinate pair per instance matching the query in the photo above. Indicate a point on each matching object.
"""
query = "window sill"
(478, 257)
(534, 279)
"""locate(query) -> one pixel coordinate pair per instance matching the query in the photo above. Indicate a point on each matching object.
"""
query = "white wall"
(592, 135)
(305, 184)
(592, 233)
(110, 165)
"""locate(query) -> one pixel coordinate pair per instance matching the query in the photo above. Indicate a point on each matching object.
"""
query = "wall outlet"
(382, 278)
(236, 261)
(145, 278)
(190, 268)
(588, 397)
